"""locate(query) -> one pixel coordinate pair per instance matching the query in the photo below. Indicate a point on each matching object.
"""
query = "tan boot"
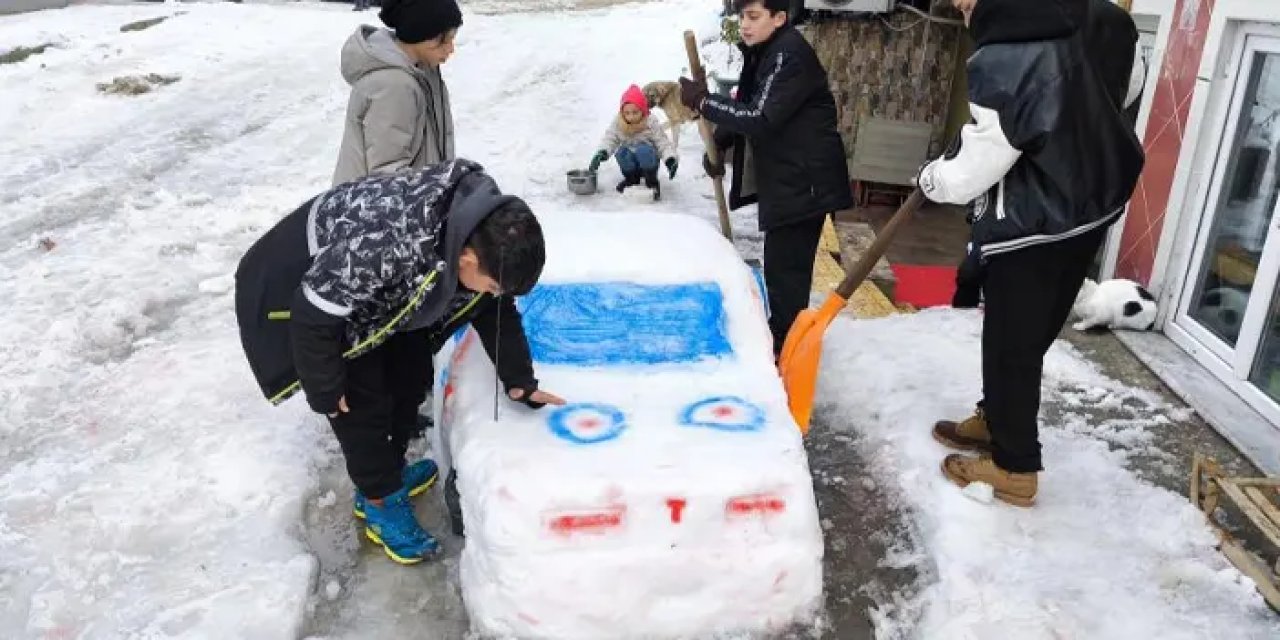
(970, 435)
(1018, 489)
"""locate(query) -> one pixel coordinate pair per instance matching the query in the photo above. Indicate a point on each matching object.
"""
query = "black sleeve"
(509, 349)
(723, 139)
(317, 354)
(785, 87)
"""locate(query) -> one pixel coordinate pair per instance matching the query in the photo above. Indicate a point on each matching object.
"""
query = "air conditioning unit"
(860, 6)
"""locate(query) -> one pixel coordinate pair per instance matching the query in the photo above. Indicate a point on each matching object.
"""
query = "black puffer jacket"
(792, 160)
(1048, 155)
(363, 261)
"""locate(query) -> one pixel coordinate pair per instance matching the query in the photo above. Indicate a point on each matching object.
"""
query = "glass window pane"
(1241, 218)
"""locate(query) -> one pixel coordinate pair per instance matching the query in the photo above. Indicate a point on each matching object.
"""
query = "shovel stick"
(704, 128)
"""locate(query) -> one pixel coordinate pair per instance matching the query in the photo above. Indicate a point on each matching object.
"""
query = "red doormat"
(924, 285)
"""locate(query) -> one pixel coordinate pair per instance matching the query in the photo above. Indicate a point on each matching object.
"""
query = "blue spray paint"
(611, 324)
(741, 415)
(757, 272)
(587, 423)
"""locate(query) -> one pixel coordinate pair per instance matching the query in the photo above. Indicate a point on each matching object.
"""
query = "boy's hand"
(599, 157)
(672, 165)
(342, 407)
(537, 399)
(692, 93)
(713, 170)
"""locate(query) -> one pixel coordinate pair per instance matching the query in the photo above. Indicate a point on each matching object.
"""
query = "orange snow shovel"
(802, 349)
(704, 128)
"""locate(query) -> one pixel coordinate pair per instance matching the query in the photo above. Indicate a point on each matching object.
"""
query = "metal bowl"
(582, 181)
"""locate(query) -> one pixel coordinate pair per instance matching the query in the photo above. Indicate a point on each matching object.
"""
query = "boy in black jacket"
(348, 298)
(787, 153)
(1048, 163)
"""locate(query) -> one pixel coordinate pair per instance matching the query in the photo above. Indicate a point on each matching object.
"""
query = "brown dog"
(666, 96)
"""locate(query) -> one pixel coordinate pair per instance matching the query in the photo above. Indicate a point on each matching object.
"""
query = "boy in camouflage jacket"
(347, 298)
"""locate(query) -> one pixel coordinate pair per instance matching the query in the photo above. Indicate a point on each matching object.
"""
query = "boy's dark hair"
(773, 6)
(510, 248)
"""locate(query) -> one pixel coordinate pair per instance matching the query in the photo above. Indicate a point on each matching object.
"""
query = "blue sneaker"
(396, 529)
(417, 478)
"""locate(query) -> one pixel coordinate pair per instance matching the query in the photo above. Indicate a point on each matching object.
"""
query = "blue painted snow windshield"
(610, 324)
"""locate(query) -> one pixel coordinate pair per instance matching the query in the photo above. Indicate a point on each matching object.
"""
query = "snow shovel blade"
(801, 355)
(802, 350)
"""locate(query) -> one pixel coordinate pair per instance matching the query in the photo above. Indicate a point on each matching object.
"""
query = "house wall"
(1166, 131)
(896, 66)
(1181, 139)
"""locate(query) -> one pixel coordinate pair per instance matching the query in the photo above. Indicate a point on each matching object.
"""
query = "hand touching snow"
(342, 407)
(538, 396)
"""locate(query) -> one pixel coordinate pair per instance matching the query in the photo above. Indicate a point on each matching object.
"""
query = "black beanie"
(417, 21)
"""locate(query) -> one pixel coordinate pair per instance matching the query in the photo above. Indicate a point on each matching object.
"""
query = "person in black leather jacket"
(1047, 165)
(787, 153)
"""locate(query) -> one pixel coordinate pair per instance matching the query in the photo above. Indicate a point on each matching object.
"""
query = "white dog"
(1114, 304)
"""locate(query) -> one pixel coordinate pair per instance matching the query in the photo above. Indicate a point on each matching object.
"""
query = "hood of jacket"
(1000, 21)
(475, 197)
(371, 49)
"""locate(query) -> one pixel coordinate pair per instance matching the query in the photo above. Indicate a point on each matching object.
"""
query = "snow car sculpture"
(671, 497)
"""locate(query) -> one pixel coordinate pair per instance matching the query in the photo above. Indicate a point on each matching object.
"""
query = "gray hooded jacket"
(398, 115)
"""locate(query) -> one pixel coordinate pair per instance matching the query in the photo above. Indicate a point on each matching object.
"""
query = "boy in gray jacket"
(398, 115)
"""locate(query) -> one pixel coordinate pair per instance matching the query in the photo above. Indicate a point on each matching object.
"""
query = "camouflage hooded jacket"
(361, 262)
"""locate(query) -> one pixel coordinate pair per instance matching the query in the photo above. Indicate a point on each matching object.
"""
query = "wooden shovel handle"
(708, 140)
(873, 253)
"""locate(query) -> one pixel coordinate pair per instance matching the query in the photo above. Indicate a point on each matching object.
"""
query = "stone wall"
(896, 66)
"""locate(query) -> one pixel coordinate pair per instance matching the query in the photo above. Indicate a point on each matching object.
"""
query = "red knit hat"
(635, 95)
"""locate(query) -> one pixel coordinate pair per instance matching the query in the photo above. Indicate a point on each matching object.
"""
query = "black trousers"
(1028, 295)
(384, 389)
(788, 273)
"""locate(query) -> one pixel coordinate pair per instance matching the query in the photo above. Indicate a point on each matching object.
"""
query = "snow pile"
(1102, 555)
(672, 496)
(146, 488)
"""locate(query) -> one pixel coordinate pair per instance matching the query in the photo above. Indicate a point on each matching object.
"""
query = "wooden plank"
(1248, 565)
(889, 151)
(1266, 506)
(869, 302)
(1252, 510)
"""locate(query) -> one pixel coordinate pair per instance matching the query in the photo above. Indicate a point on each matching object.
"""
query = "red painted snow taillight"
(587, 522)
(763, 504)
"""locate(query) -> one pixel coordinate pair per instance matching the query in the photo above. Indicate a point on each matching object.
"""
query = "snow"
(552, 522)
(146, 489)
(145, 486)
(1103, 554)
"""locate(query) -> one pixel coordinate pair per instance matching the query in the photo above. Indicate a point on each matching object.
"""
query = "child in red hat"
(637, 141)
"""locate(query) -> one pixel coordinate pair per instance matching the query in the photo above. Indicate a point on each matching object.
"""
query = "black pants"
(384, 389)
(1028, 295)
(788, 273)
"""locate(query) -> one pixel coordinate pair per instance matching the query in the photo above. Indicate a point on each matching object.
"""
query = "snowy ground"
(146, 489)
(1103, 555)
